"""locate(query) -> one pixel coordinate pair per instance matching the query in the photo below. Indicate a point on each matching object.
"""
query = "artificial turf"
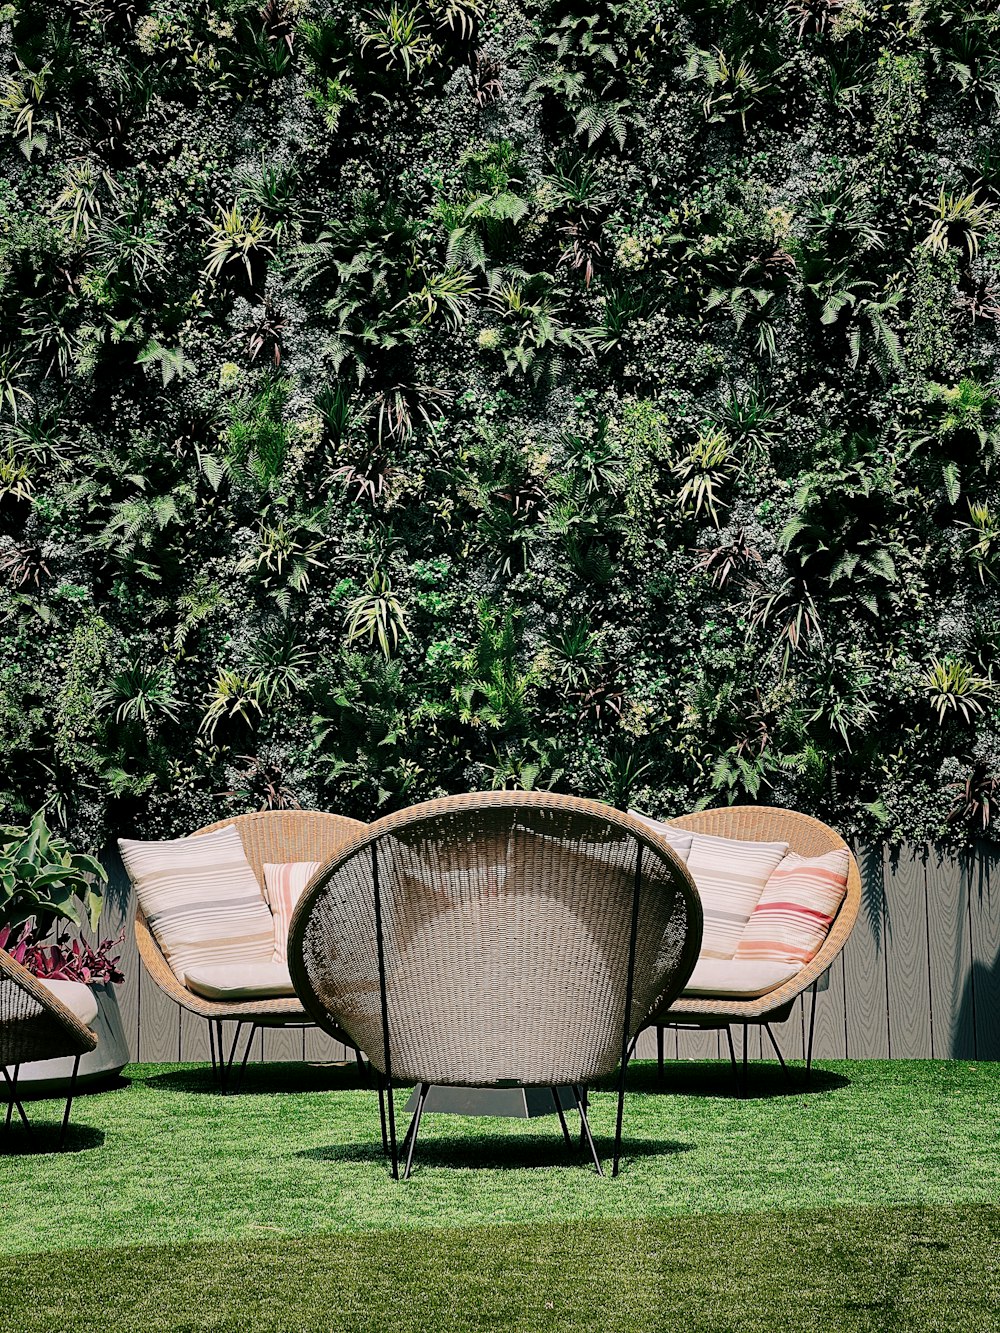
(868, 1202)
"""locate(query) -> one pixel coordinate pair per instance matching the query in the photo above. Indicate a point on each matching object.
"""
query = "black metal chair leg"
(581, 1103)
(14, 1103)
(562, 1119)
(381, 1116)
(781, 1059)
(619, 1118)
(362, 1070)
(414, 1129)
(220, 1073)
(69, 1103)
(211, 1047)
(246, 1057)
(732, 1059)
(228, 1064)
(812, 1032)
(392, 1146)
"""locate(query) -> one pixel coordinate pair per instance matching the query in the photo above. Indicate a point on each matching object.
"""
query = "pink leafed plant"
(65, 959)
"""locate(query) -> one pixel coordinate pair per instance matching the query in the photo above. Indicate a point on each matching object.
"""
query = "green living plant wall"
(445, 395)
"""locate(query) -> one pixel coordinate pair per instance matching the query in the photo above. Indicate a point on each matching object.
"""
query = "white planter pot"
(107, 1059)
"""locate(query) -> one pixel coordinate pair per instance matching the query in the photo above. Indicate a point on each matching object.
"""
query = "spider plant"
(703, 472)
(958, 220)
(955, 690)
(398, 38)
(376, 615)
(236, 240)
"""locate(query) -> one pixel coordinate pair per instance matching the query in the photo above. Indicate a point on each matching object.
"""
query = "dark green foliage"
(407, 399)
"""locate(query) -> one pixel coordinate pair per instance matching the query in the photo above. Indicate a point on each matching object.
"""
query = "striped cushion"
(283, 885)
(201, 899)
(679, 841)
(730, 878)
(796, 909)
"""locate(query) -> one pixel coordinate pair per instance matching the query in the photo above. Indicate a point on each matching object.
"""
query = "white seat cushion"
(735, 979)
(77, 997)
(202, 900)
(241, 981)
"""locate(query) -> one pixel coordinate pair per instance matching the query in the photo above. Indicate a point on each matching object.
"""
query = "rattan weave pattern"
(808, 837)
(34, 1025)
(506, 922)
(268, 836)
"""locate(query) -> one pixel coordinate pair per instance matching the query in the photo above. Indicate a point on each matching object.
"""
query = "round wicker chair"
(495, 939)
(808, 837)
(35, 1025)
(268, 837)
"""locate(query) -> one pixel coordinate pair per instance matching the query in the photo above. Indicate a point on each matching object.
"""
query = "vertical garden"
(425, 397)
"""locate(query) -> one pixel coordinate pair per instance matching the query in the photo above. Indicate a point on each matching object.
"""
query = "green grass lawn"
(869, 1201)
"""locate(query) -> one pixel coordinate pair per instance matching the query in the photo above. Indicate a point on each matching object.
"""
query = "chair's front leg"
(13, 1102)
(69, 1103)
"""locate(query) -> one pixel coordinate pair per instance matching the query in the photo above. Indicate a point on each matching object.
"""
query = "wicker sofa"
(37, 1022)
(494, 940)
(807, 837)
(269, 836)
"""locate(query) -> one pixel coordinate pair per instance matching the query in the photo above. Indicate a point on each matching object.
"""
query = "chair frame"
(808, 837)
(307, 835)
(67, 1037)
(369, 839)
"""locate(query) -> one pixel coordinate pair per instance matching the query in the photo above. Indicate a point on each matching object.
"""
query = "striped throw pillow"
(679, 841)
(796, 909)
(283, 885)
(201, 899)
(730, 876)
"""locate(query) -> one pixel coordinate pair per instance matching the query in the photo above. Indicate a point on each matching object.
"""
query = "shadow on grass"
(497, 1154)
(716, 1078)
(43, 1139)
(28, 1092)
(268, 1079)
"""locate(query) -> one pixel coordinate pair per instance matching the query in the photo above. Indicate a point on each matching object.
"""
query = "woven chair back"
(488, 938)
(34, 1025)
(272, 837)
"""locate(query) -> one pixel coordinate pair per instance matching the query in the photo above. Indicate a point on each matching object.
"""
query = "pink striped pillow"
(796, 909)
(283, 885)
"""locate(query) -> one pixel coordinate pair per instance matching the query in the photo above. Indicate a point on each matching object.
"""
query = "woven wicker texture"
(506, 921)
(808, 837)
(34, 1025)
(268, 836)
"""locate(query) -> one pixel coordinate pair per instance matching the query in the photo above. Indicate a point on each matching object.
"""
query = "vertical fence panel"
(864, 967)
(906, 954)
(830, 1036)
(984, 906)
(119, 915)
(193, 1038)
(159, 1030)
(279, 1044)
(320, 1047)
(949, 945)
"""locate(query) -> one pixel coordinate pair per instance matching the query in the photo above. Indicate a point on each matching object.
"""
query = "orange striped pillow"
(796, 909)
(283, 885)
